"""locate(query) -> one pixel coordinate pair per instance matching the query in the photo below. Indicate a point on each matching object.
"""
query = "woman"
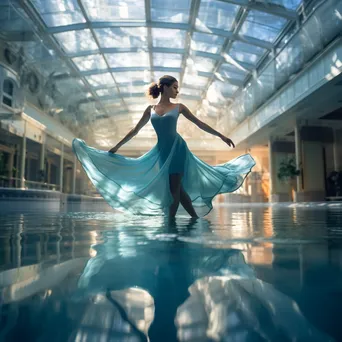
(169, 173)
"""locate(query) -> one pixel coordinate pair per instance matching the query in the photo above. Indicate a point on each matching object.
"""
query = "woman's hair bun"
(153, 90)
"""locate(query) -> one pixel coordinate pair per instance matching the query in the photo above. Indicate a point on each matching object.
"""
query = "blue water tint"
(244, 273)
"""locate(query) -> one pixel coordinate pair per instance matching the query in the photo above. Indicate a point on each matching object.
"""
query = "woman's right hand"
(113, 150)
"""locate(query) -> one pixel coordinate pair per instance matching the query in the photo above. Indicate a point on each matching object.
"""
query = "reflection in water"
(99, 276)
(124, 315)
(243, 308)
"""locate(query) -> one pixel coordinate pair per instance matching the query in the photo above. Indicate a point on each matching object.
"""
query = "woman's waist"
(167, 137)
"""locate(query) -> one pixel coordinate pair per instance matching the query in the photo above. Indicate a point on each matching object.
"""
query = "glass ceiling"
(110, 50)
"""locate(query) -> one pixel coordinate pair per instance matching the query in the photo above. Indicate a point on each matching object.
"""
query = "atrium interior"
(265, 73)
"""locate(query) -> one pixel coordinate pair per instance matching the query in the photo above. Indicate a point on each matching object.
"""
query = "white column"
(61, 169)
(23, 157)
(17, 167)
(270, 168)
(336, 152)
(48, 172)
(10, 168)
(42, 157)
(74, 173)
(298, 149)
(28, 167)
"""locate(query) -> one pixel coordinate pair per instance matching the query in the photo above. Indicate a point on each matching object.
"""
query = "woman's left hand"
(228, 141)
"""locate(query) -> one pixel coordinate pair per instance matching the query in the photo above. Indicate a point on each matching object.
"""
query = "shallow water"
(244, 273)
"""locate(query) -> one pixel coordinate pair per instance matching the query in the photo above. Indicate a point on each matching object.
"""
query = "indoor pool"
(243, 273)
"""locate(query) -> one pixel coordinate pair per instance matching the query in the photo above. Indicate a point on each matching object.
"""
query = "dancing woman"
(169, 173)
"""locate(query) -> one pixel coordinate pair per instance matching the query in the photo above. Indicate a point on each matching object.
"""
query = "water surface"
(244, 273)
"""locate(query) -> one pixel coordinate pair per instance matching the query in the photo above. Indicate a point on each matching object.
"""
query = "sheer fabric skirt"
(141, 185)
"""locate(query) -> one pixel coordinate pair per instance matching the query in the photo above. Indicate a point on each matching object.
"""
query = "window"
(8, 90)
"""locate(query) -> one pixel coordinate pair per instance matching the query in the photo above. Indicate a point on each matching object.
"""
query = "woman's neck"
(164, 100)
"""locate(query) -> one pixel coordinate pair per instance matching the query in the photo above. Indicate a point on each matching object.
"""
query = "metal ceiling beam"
(266, 7)
(89, 25)
(253, 41)
(274, 9)
(127, 69)
(154, 50)
(194, 9)
(187, 27)
(34, 16)
(149, 34)
(126, 50)
(238, 22)
(101, 25)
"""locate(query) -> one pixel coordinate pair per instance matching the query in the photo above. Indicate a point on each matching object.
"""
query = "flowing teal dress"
(141, 185)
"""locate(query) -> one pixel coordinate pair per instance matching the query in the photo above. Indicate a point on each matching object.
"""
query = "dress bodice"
(165, 125)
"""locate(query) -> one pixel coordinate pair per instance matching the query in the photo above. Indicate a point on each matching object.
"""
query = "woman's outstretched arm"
(142, 122)
(202, 125)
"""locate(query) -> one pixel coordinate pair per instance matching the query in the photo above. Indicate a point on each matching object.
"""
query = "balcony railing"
(12, 182)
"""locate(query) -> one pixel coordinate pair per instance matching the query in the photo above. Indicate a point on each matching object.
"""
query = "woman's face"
(172, 91)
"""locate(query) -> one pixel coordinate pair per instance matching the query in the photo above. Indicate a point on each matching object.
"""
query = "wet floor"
(244, 273)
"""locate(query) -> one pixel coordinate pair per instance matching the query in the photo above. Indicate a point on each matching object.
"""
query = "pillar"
(42, 159)
(10, 168)
(61, 169)
(23, 157)
(336, 152)
(17, 167)
(271, 168)
(74, 173)
(298, 150)
(28, 167)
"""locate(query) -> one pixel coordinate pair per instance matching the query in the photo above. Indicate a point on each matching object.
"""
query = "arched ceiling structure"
(101, 54)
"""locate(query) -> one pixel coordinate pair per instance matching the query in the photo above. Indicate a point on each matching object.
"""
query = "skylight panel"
(105, 79)
(131, 76)
(168, 38)
(128, 59)
(92, 62)
(202, 63)
(224, 88)
(169, 60)
(174, 11)
(106, 92)
(115, 11)
(246, 52)
(131, 89)
(59, 12)
(217, 14)
(288, 4)
(122, 37)
(207, 42)
(76, 41)
(263, 26)
(195, 81)
(230, 71)
(190, 92)
(112, 103)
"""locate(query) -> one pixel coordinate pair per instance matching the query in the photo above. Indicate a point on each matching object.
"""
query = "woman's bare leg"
(175, 185)
(186, 203)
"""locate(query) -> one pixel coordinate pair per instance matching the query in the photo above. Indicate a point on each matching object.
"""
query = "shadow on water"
(92, 277)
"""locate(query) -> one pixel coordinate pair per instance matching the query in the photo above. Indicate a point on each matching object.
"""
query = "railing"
(319, 29)
(12, 182)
